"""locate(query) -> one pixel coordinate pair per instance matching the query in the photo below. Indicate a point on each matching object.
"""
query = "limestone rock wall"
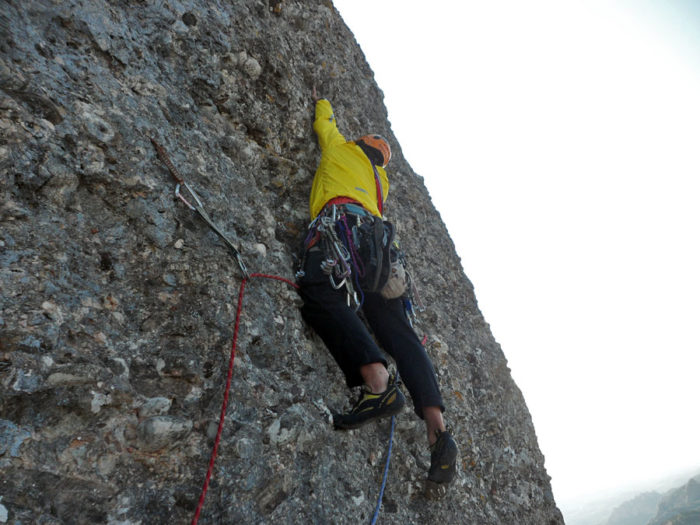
(117, 303)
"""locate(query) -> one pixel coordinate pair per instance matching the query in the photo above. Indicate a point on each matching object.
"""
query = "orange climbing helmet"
(378, 143)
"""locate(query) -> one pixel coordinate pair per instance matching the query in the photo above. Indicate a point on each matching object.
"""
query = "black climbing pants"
(350, 342)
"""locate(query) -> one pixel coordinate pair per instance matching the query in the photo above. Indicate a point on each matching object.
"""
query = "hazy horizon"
(582, 510)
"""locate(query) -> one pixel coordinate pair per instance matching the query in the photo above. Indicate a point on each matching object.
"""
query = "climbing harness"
(341, 251)
(351, 239)
(198, 206)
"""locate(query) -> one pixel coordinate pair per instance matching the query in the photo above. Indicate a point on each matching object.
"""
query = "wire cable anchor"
(198, 206)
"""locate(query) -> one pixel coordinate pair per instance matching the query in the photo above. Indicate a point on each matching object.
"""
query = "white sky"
(560, 141)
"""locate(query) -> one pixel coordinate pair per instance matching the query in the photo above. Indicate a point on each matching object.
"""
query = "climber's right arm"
(325, 125)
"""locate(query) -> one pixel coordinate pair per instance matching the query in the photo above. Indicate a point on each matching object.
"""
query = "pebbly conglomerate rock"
(118, 303)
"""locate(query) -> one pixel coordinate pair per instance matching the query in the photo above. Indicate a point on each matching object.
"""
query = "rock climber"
(351, 184)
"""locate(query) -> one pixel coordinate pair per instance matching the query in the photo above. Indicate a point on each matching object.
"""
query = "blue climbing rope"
(386, 465)
(386, 473)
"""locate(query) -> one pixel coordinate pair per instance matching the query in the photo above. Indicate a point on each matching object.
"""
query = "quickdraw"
(197, 206)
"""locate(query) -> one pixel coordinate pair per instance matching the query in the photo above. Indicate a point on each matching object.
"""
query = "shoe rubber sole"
(340, 424)
(349, 421)
(443, 468)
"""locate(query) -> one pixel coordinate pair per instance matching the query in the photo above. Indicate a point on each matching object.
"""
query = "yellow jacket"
(344, 170)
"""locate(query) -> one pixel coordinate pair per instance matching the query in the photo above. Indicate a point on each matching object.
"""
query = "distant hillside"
(630, 505)
(637, 511)
(680, 506)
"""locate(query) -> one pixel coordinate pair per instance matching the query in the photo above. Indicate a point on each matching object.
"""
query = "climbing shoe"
(443, 464)
(372, 406)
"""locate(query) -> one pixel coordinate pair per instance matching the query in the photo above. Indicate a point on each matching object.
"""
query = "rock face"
(118, 303)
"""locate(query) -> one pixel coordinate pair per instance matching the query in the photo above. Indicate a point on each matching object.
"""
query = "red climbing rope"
(224, 404)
